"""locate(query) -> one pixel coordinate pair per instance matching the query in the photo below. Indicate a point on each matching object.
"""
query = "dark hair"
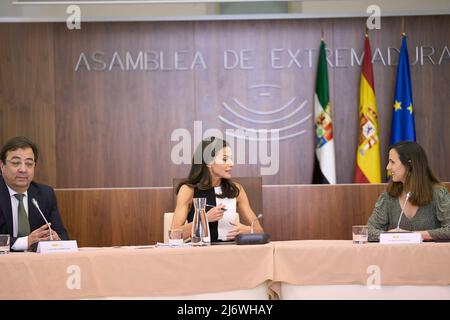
(19, 143)
(199, 176)
(420, 179)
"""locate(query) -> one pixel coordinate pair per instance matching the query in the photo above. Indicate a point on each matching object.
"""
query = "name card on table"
(400, 237)
(57, 246)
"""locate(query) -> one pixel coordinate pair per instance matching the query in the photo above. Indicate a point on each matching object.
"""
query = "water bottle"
(200, 235)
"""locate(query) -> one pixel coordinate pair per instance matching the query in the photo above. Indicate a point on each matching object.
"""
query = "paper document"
(230, 215)
(169, 245)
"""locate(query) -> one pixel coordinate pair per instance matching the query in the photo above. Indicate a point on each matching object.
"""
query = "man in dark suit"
(19, 217)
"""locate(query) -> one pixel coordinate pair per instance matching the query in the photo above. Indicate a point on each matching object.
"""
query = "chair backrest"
(252, 187)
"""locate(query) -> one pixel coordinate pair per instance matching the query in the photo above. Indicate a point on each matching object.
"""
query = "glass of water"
(176, 237)
(360, 234)
(4, 243)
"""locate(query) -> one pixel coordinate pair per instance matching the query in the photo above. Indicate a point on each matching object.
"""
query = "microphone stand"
(46, 222)
(56, 245)
(258, 217)
(403, 208)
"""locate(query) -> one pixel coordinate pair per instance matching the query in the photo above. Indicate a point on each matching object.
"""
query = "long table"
(138, 272)
(316, 269)
(339, 269)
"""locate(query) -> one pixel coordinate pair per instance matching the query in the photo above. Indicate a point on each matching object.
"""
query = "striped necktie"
(24, 224)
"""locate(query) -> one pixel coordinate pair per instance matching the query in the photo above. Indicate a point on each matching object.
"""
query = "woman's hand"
(238, 229)
(425, 235)
(397, 230)
(216, 213)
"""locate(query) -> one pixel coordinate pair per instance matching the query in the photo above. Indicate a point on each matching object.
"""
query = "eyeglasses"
(16, 163)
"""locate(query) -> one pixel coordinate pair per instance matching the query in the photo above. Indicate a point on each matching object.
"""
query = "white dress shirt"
(21, 243)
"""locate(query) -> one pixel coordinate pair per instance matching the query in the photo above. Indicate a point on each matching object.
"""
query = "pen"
(223, 209)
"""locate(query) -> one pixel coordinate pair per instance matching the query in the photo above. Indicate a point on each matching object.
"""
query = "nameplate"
(57, 246)
(400, 237)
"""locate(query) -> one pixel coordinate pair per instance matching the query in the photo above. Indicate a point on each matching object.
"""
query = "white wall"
(297, 9)
(388, 7)
(9, 12)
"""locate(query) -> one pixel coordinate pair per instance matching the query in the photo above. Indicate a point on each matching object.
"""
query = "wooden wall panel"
(430, 82)
(109, 217)
(27, 93)
(113, 129)
(216, 88)
(117, 125)
(317, 212)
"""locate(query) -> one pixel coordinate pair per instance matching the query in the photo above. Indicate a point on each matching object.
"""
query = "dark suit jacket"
(45, 196)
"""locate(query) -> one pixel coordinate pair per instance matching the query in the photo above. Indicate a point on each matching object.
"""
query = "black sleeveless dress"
(210, 196)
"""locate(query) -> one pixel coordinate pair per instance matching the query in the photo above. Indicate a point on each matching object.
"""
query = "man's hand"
(41, 234)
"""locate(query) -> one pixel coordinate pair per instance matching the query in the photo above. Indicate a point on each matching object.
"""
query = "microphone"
(254, 220)
(39, 209)
(253, 238)
(403, 208)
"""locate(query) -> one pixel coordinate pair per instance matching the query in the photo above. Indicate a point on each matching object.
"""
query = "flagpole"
(403, 123)
(403, 26)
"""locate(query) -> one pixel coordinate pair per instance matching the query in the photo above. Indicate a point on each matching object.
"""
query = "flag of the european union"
(403, 128)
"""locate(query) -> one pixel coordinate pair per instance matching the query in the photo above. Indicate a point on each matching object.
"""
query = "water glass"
(176, 237)
(4, 243)
(360, 234)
